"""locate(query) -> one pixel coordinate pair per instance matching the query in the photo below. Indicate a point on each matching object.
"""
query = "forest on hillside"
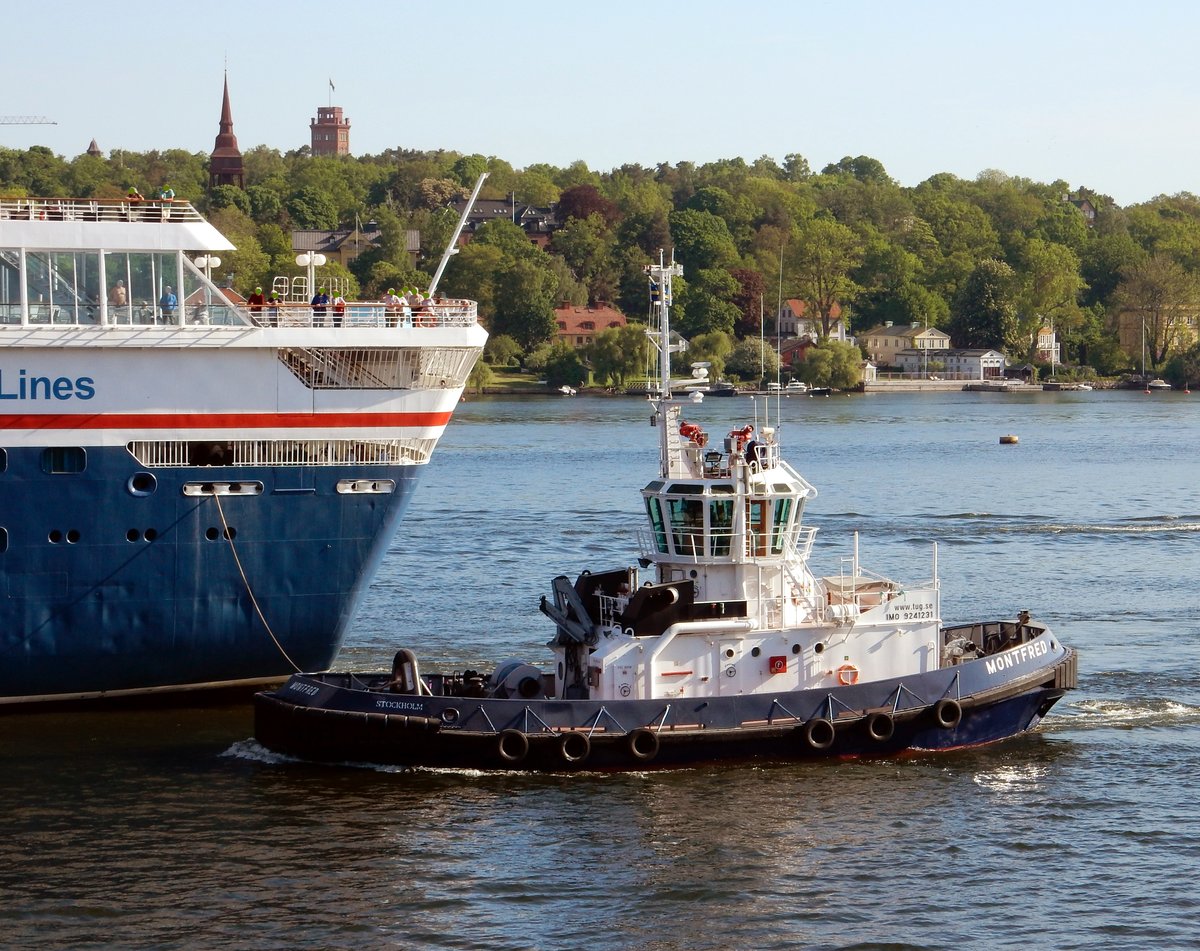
(988, 260)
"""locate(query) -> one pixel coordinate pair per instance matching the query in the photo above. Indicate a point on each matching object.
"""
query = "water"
(173, 829)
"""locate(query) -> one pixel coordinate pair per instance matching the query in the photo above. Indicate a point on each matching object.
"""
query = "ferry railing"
(97, 209)
(443, 313)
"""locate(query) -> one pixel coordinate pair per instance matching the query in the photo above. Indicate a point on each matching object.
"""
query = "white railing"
(281, 452)
(96, 209)
(444, 313)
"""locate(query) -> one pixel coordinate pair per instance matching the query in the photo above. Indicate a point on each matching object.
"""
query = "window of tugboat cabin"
(685, 513)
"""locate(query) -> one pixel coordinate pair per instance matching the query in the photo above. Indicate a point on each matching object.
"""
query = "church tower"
(225, 165)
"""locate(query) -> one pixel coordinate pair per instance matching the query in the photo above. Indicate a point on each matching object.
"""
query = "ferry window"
(720, 520)
(756, 525)
(656, 522)
(687, 525)
(783, 512)
(60, 459)
(10, 286)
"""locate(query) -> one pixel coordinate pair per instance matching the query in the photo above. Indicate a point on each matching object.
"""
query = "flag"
(332, 87)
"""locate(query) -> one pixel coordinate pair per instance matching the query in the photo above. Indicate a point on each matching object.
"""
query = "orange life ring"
(847, 675)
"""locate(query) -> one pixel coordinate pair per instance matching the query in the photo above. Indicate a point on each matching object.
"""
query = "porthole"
(3, 537)
(230, 533)
(817, 648)
(150, 534)
(55, 536)
(755, 651)
(142, 484)
(72, 536)
(212, 534)
(3, 459)
(133, 535)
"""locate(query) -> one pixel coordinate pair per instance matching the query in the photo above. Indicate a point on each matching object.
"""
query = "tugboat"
(732, 648)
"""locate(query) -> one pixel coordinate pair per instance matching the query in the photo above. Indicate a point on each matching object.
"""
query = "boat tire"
(880, 727)
(643, 745)
(947, 713)
(512, 745)
(819, 733)
(574, 748)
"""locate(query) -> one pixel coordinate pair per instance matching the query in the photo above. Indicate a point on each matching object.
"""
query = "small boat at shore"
(733, 647)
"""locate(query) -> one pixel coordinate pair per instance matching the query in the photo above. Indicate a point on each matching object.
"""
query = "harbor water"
(171, 828)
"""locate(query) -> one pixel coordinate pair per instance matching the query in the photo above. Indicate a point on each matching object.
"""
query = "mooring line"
(246, 581)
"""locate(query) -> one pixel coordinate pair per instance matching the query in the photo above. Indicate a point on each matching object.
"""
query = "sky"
(1097, 94)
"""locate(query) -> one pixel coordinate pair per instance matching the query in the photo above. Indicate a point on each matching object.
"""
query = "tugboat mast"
(660, 276)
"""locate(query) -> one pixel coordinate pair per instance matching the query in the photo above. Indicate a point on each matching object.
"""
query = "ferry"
(193, 493)
(730, 647)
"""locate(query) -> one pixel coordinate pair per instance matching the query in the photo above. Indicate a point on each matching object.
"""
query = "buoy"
(1009, 440)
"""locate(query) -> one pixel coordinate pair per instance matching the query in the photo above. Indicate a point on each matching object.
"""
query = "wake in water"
(1125, 715)
(982, 526)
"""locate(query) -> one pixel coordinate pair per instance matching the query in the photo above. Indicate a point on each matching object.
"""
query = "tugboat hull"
(345, 718)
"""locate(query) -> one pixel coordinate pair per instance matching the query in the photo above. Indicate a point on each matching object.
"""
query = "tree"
(586, 245)
(1163, 295)
(820, 259)
(583, 201)
(502, 350)
(705, 303)
(524, 303)
(753, 360)
(1049, 291)
(712, 348)
(984, 313)
(832, 363)
(311, 208)
(619, 352)
(702, 240)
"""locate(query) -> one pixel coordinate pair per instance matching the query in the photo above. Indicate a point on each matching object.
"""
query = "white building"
(952, 364)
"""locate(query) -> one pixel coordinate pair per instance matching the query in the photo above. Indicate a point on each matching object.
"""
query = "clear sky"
(1099, 94)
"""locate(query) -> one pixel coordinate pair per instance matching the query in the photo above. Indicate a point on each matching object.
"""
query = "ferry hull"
(106, 588)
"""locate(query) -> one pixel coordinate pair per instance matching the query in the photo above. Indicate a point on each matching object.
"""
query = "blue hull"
(106, 587)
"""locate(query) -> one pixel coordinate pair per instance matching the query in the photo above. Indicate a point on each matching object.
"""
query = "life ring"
(819, 733)
(947, 713)
(512, 745)
(643, 744)
(574, 747)
(847, 675)
(880, 727)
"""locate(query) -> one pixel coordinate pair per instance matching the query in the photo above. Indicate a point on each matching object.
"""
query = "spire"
(225, 166)
(94, 149)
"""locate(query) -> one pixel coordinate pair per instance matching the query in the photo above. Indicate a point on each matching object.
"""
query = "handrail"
(97, 209)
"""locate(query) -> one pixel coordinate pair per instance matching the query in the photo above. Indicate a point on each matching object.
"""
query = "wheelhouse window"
(779, 528)
(656, 523)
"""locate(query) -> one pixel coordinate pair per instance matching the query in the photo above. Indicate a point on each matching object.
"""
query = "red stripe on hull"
(222, 420)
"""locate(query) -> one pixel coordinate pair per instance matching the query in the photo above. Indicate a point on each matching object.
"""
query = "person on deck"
(255, 302)
(168, 304)
(320, 307)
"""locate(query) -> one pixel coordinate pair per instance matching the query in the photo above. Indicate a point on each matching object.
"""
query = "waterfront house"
(972, 364)
(885, 342)
(578, 326)
(797, 319)
(1048, 349)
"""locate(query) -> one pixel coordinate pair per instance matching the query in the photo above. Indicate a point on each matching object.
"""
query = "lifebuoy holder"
(847, 675)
